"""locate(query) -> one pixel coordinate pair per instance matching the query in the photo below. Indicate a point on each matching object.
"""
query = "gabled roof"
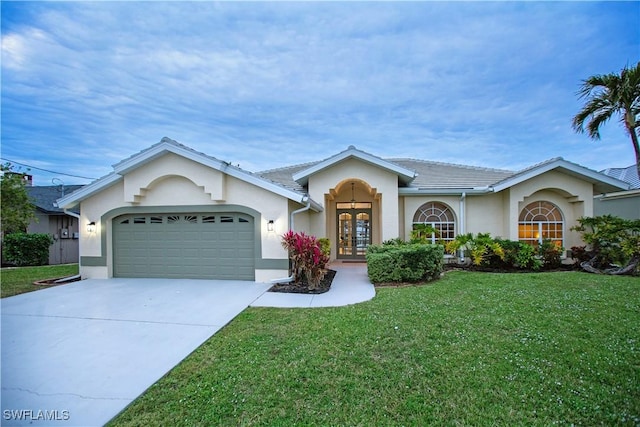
(628, 174)
(602, 182)
(167, 145)
(44, 197)
(447, 178)
(404, 175)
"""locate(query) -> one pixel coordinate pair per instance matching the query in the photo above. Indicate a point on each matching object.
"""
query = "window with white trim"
(539, 221)
(440, 217)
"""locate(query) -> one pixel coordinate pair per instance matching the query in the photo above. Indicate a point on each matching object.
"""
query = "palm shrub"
(480, 248)
(308, 260)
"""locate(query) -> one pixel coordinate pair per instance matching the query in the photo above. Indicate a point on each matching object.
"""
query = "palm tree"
(607, 95)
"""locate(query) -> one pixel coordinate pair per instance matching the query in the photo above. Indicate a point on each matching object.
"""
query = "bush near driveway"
(477, 349)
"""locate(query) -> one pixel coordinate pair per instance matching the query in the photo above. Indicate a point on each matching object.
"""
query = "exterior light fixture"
(353, 198)
(91, 227)
(271, 225)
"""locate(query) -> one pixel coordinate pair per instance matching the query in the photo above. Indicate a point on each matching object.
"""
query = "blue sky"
(266, 85)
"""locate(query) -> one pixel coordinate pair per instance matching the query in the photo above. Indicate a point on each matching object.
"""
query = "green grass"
(14, 281)
(471, 349)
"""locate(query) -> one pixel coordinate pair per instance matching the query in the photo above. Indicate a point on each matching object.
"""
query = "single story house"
(63, 227)
(170, 211)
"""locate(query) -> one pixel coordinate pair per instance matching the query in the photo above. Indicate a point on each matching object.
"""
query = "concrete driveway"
(76, 355)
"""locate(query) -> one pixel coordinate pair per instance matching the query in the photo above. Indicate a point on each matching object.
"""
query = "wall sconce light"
(91, 227)
(271, 225)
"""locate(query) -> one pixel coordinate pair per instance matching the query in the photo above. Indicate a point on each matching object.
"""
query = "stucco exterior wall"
(624, 204)
(485, 213)
(370, 179)
(175, 181)
(573, 196)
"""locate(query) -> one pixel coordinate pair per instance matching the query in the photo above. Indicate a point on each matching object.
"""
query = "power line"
(44, 170)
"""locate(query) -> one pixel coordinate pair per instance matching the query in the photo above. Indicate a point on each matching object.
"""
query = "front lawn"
(18, 280)
(470, 349)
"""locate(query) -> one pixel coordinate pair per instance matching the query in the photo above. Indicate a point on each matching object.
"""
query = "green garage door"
(197, 246)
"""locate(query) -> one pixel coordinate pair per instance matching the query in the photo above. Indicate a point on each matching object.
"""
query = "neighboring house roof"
(44, 197)
(628, 174)
(167, 145)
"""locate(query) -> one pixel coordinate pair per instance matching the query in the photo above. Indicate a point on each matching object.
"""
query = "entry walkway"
(351, 285)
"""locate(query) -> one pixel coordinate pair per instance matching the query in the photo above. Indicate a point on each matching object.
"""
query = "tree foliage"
(613, 244)
(608, 95)
(24, 249)
(17, 209)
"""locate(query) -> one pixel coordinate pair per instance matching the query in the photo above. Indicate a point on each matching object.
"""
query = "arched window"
(539, 221)
(439, 216)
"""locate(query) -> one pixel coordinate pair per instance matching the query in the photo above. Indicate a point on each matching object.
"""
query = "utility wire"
(45, 170)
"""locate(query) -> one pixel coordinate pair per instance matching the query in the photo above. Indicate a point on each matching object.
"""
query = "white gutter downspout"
(297, 211)
(463, 219)
(306, 208)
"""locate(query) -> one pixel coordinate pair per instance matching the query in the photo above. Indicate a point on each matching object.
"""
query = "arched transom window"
(539, 221)
(440, 217)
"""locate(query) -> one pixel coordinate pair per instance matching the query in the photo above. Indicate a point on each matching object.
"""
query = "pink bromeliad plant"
(307, 259)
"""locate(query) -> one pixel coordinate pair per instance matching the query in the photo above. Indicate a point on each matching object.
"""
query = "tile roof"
(448, 175)
(429, 174)
(628, 174)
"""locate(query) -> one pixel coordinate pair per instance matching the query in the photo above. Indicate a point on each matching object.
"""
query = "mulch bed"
(52, 282)
(303, 288)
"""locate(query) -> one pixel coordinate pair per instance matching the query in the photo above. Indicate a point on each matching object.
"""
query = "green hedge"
(27, 249)
(404, 263)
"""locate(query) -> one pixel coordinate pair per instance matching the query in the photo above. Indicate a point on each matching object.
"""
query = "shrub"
(308, 261)
(526, 258)
(613, 242)
(325, 246)
(25, 249)
(404, 263)
(550, 254)
(480, 248)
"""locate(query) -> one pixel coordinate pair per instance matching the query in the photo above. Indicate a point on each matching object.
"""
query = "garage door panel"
(214, 246)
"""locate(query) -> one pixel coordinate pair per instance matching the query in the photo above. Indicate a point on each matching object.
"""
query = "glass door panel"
(354, 232)
(345, 235)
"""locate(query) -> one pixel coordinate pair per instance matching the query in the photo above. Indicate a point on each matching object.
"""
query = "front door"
(354, 231)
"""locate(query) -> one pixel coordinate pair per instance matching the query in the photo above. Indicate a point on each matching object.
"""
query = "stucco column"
(389, 214)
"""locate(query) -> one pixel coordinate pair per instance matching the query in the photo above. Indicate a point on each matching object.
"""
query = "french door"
(354, 232)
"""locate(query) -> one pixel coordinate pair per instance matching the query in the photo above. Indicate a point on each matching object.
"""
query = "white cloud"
(491, 84)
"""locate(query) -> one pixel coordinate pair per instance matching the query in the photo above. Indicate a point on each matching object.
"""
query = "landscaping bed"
(303, 288)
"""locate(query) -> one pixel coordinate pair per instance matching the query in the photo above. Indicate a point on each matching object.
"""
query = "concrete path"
(76, 355)
(351, 285)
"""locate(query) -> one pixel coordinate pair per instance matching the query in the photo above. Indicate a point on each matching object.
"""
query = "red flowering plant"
(308, 261)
